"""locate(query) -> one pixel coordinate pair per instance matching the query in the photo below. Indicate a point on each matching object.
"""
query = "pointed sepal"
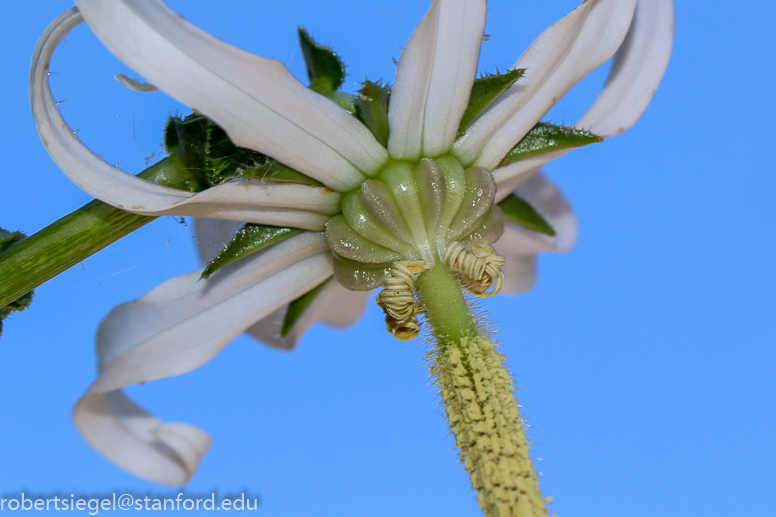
(298, 307)
(545, 138)
(213, 158)
(484, 90)
(372, 109)
(517, 210)
(325, 69)
(248, 239)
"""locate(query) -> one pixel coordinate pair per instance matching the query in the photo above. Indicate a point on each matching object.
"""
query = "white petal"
(434, 78)
(167, 453)
(253, 201)
(520, 246)
(334, 305)
(561, 56)
(175, 328)
(637, 70)
(519, 271)
(256, 100)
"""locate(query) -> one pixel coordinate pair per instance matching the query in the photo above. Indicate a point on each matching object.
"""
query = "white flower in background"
(184, 322)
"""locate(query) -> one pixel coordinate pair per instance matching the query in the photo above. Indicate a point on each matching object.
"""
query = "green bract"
(8, 239)
(484, 91)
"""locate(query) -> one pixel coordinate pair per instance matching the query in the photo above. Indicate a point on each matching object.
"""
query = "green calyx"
(372, 109)
(248, 239)
(484, 91)
(298, 307)
(517, 210)
(411, 212)
(325, 70)
(546, 138)
(208, 155)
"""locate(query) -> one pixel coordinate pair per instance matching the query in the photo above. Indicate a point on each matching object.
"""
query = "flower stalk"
(482, 412)
(77, 236)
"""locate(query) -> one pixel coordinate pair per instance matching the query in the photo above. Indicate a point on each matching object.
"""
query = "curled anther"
(397, 299)
(479, 267)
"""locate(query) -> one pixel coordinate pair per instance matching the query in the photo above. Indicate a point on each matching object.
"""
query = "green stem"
(446, 308)
(482, 411)
(78, 235)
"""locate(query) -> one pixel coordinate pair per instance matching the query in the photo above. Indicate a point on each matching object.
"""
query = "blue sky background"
(645, 356)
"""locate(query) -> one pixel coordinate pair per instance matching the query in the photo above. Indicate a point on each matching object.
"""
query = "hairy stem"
(482, 411)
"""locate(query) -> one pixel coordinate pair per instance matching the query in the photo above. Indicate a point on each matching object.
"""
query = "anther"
(479, 267)
(397, 299)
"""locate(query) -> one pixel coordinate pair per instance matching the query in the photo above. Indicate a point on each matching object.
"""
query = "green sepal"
(298, 306)
(325, 69)
(248, 239)
(545, 138)
(8, 239)
(204, 148)
(484, 90)
(276, 171)
(517, 210)
(372, 109)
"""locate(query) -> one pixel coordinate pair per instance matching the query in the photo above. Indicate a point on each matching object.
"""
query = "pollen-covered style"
(431, 191)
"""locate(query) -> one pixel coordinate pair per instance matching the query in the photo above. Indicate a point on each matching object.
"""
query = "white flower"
(184, 322)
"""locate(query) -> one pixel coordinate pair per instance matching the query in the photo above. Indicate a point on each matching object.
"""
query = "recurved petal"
(256, 100)
(135, 440)
(561, 56)
(254, 201)
(175, 328)
(434, 78)
(637, 70)
(520, 246)
(335, 306)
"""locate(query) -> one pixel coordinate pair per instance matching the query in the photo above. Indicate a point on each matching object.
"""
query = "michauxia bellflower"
(416, 195)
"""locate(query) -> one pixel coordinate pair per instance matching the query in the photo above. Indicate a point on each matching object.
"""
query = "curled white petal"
(520, 246)
(637, 70)
(133, 84)
(256, 100)
(253, 201)
(334, 305)
(135, 440)
(434, 77)
(175, 328)
(561, 56)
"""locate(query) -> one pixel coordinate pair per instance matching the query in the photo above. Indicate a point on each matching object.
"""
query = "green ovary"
(411, 212)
